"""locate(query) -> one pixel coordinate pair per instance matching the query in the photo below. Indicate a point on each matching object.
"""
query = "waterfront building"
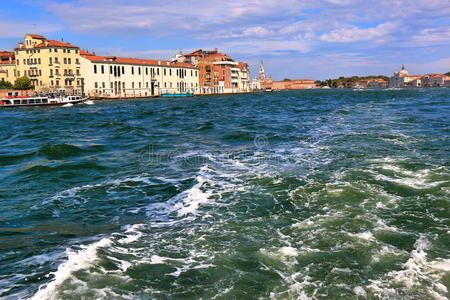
(403, 79)
(52, 66)
(111, 76)
(218, 72)
(266, 82)
(371, 83)
(435, 80)
(7, 66)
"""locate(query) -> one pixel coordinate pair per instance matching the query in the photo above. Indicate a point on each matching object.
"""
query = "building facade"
(218, 72)
(60, 67)
(403, 79)
(110, 76)
(437, 80)
(267, 83)
(52, 66)
(7, 66)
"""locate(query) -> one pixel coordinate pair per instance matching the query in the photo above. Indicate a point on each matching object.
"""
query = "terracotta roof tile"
(53, 43)
(135, 61)
(36, 36)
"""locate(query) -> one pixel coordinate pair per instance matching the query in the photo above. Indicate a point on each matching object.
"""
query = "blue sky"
(316, 39)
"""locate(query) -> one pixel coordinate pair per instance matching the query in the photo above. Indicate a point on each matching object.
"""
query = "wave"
(418, 276)
(83, 259)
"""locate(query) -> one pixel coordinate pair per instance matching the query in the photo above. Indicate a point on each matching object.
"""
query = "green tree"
(23, 83)
(448, 73)
(5, 85)
(286, 79)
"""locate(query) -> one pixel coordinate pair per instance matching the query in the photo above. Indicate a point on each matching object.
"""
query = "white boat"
(39, 101)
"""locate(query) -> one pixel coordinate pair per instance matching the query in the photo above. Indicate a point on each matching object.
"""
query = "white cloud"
(349, 33)
(13, 29)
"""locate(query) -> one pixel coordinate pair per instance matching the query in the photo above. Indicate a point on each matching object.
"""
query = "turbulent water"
(304, 194)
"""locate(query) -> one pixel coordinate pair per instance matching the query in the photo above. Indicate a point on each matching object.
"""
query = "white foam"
(417, 272)
(81, 259)
(359, 291)
(288, 251)
(367, 236)
(73, 192)
(77, 260)
(193, 198)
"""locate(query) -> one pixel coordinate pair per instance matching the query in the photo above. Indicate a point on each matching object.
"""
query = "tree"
(448, 73)
(5, 85)
(286, 79)
(23, 83)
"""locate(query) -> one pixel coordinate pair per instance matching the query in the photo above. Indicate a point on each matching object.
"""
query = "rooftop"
(133, 61)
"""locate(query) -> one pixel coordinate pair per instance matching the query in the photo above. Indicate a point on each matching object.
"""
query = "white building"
(110, 76)
(435, 79)
(402, 78)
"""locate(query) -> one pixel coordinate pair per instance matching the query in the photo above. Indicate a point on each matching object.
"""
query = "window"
(139, 70)
(95, 84)
(164, 72)
(103, 85)
(77, 61)
(170, 72)
(132, 85)
(95, 69)
(65, 60)
(146, 71)
(157, 71)
(123, 70)
(50, 60)
(69, 60)
(139, 85)
(132, 70)
(110, 70)
(103, 69)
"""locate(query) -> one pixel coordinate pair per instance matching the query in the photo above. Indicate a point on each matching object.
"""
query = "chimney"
(159, 62)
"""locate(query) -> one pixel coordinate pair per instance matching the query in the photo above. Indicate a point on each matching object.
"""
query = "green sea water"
(313, 194)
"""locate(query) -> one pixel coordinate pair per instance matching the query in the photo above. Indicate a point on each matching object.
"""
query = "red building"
(218, 72)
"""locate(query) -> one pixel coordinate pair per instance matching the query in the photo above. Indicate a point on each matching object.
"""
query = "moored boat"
(39, 101)
(167, 95)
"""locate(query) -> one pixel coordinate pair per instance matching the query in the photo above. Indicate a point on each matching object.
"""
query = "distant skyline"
(296, 39)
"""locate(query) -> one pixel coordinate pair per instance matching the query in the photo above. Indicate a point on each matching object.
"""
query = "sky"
(317, 39)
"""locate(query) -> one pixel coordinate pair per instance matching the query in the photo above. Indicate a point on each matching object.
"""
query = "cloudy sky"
(316, 39)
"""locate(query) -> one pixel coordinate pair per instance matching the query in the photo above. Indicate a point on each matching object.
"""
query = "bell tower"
(262, 73)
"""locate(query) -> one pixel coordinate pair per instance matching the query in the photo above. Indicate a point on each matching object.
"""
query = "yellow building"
(52, 66)
(7, 66)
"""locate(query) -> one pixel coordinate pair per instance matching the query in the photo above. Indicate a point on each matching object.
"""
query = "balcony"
(229, 63)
